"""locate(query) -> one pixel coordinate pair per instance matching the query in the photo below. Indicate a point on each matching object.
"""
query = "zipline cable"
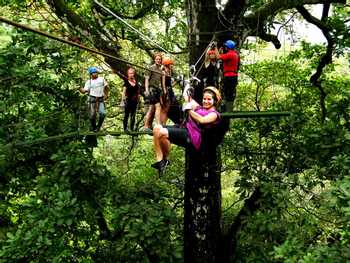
(133, 28)
(25, 27)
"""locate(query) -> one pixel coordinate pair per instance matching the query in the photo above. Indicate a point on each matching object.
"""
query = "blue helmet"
(230, 44)
(92, 70)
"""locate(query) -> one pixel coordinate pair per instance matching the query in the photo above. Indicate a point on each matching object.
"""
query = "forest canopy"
(285, 184)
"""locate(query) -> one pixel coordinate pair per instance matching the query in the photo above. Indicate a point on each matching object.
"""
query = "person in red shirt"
(230, 59)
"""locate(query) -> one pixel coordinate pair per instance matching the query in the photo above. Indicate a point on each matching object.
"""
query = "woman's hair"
(158, 55)
(215, 94)
(131, 68)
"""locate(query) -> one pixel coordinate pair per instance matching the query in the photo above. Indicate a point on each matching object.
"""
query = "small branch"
(285, 23)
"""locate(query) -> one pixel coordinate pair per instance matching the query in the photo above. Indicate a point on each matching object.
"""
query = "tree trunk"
(202, 206)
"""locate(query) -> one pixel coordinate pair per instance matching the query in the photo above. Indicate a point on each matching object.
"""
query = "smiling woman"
(199, 117)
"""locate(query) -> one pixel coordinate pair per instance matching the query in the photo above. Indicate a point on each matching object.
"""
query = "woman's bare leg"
(149, 117)
(157, 113)
(156, 142)
(164, 115)
(165, 146)
(161, 142)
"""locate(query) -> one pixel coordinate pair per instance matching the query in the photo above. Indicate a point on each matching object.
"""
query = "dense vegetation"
(63, 201)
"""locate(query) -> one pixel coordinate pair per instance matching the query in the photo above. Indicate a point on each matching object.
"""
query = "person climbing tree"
(97, 88)
(199, 117)
(168, 95)
(153, 90)
(210, 69)
(130, 99)
(231, 60)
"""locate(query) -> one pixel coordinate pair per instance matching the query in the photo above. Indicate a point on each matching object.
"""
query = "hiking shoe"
(163, 165)
(144, 129)
(156, 165)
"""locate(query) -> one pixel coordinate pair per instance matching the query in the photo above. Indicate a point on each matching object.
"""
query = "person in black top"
(130, 97)
(210, 69)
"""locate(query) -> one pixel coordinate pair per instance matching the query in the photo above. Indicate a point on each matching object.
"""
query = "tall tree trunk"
(202, 21)
(202, 206)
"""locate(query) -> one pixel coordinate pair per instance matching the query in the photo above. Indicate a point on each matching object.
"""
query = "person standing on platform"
(130, 99)
(231, 60)
(210, 69)
(97, 88)
(153, 90)
(168, 95)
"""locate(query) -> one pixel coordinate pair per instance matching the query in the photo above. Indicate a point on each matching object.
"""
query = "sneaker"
(163, 165)
(146, 130)
(156, 165)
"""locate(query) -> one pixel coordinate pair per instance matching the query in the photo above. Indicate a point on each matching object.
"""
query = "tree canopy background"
(285, 182)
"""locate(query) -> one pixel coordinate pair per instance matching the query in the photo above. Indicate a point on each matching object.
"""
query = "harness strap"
(97, 101)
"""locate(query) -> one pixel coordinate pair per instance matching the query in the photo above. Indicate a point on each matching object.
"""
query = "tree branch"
(99, 39)
(326, 58)
(234, 7)
(102, 26)
(269, 38)
(325, 12)
(256, 20)
(271, 8)
(229, 240)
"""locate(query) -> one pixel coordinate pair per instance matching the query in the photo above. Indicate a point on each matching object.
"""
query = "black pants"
(130, 112)
(229, 87)
(179, 136)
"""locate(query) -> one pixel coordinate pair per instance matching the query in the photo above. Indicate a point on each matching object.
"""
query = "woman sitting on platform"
(199, 117)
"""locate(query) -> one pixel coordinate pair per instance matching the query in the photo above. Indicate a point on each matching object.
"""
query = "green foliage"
(64, 202)
(299, 165)
(58, 203)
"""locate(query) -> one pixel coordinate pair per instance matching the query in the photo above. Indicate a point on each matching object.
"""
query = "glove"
(188, 92)
(187, 106)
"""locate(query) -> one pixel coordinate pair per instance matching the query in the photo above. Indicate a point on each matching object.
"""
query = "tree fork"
(229, 239)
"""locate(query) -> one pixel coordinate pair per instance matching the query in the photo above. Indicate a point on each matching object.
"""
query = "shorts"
(96, 104)
(179, 136)
(154, 96)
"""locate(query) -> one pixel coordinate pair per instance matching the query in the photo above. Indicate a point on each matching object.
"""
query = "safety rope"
(130, 26)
